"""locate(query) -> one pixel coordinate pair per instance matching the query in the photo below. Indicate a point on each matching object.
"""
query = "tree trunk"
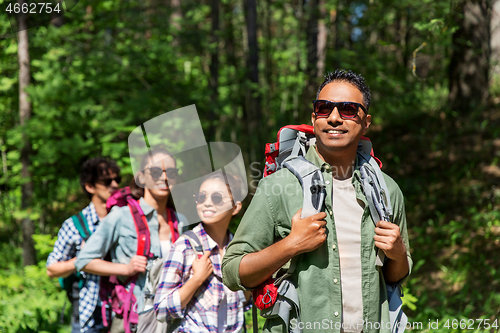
(268, 53)
(338, 37)
(27, 225)
(4, 166)
(176, 14)
(253, 99)
(322, 38)
(312, 40)
(214, 68)
(470, 60)
(313, 54)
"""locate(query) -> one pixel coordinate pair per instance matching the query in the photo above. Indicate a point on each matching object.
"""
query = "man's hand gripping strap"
(379, 202)
(286, 303)
(375, 190)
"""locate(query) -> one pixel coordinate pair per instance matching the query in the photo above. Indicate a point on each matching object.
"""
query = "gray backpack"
(289, 152)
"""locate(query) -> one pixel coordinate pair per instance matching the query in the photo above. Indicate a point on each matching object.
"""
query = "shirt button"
(336, 314)
(327, 167)
(327, 182)
(335, 280)
(330, 212)
(334, 246)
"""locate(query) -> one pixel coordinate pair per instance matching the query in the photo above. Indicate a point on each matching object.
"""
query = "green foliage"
(249, 321)
(409, 300)
(115, 64)
(30, 301)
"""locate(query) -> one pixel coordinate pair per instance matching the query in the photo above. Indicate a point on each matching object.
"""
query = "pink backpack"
(112, 292)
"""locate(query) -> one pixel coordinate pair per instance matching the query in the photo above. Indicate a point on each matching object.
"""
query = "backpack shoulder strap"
(81, 225)
(312, 182)
(193, 240)
(141, 226)
(196, 246)
(313, 187)
(380, 202)
(376, 192)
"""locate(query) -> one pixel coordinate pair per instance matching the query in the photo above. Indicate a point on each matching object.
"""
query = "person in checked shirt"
(99, 178)
(191, 295)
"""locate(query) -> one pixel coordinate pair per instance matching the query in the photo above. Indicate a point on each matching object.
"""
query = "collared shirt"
(201, 313)
(118, 237)
(67, 247)
(317, 275)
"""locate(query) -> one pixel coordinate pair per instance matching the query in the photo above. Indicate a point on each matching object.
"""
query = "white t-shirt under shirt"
(347, 213)
(165, 246)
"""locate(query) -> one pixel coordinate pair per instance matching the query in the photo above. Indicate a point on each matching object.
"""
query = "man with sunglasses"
(339, 286)
(99, 178)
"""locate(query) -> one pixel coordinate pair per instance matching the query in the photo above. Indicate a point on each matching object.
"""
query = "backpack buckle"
(302, 138)
(317, 185)
(271, 166)
(272, 147)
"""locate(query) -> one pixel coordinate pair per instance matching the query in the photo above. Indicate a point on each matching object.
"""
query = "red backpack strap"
(379, 162)
(141, 225)
(173, 224)
(273, 161)
(308, 129)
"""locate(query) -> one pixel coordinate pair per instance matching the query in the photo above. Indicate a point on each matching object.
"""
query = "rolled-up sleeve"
(101, 241)
(167, 298)
(255, 232)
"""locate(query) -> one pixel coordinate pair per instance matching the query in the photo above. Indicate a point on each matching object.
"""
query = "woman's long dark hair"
(138, 191)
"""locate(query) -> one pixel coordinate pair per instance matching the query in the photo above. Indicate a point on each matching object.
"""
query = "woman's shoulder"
(189, 240)
(117, 216)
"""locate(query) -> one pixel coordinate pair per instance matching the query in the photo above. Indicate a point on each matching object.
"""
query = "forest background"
(76, 86)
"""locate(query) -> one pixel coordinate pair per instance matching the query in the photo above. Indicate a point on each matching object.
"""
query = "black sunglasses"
(347, 110)
(108, 181)
(156, 172)
(217, 198)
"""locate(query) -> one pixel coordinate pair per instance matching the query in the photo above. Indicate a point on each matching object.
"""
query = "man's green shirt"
(317, 275)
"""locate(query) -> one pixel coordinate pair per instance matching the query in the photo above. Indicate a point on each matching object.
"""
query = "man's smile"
(335, 131)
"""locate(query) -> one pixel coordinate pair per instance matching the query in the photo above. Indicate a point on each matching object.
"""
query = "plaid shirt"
(200, 314)
(67, 247)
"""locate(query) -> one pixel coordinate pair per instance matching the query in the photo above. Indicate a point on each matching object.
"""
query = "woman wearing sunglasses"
(191, 295)
(118, 234)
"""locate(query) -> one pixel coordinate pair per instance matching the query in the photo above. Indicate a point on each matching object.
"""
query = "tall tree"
(470, 60)
(214, 66)
(253, 99)
(27, 225)
(322, 38)
(312, 45)
(176, 14)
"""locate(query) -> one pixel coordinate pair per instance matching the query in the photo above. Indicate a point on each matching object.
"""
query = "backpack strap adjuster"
(271, 166)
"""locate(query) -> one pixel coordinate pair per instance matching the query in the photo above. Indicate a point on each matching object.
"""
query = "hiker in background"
(119, 236)
(336, 275)
(191, 296)
(99, 177)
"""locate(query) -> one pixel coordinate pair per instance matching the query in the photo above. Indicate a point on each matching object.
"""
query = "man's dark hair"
(342, 75)
(96, 168)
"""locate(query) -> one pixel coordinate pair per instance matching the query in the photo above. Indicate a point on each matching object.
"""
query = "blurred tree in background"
(251, 67)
